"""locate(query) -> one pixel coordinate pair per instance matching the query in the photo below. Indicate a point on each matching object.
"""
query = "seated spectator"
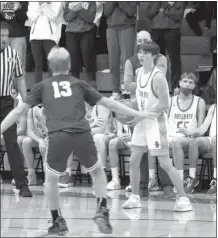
(46, 19)
(205, 144)
(133, 63)
(82, 19)
(165, 31)
(186, 112)
(120, 38)
(120, 141)
(199, 11)
(36, 137)
(102, 127)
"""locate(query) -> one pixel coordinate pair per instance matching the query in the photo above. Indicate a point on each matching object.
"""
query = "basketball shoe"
(59, 226)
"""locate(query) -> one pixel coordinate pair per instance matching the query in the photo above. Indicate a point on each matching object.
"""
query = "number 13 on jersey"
(62, 89)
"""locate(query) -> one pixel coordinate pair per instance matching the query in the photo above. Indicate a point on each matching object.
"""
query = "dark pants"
(120, 43)
(15, 157)
(39, 48)
(170, 40)
(81, 47)
(206, 12)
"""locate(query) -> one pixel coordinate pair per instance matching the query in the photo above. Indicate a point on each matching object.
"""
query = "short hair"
(4, 25)
(189, 76)
(149, 47)
(59, 59)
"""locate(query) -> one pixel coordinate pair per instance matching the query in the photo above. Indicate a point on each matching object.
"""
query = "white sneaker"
(153, 184)
(129, 188)
(113, 185)
(132, 202)
(31, 179)
(13, 182)
(183, 205)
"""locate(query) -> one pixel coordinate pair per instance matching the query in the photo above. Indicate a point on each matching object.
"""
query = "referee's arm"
(21, 83)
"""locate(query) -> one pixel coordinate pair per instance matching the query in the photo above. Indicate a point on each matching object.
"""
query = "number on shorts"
(62, 89)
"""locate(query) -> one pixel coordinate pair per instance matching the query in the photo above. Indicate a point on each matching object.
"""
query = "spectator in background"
(165, 31)
(133, 63)
(199, 11)
(121, 17)
(47, 20)
(15, 14)
(82, 19)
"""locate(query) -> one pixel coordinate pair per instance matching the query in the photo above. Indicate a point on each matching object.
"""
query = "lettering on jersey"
(143, 94)
(179, 116)
(157, 145)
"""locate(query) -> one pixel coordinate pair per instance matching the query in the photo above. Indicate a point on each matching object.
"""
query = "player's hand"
(42, 146)
(75, 6)
(16, 6)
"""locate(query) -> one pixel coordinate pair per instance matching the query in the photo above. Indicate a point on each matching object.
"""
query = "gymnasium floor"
(28, 217)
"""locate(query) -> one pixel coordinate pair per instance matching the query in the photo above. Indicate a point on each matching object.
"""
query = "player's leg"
(183, 203)
(196, 146)
(134, 167)
(213, 184)
(27, 145)
(178, 145)
(59, 150)
(153, 183)
(66, 179)
(101, 143)
(84, 148)
(114, 146)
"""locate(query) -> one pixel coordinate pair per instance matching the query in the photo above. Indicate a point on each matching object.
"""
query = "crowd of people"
(165, 127)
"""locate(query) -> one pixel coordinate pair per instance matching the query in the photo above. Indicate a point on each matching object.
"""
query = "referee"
(11, 69)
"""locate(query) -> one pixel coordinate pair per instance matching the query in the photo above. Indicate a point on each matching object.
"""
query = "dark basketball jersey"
(63, 98)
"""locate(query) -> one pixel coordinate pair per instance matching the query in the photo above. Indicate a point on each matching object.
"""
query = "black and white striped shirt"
(10, 68)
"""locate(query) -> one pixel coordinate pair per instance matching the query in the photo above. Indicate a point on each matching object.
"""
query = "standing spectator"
(11, 69)
(165, 31)
(121, 17)
(15, 14)
(47, 20)
(200, 11)
(132, 64)
(82, 19)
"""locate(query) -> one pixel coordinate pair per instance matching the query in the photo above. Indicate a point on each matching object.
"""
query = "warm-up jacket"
(165, 16)
(120, 15)
(84, 19)
(46, 20)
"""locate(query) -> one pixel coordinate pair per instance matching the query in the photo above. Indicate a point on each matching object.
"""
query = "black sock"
(55, 214)
(102, 202)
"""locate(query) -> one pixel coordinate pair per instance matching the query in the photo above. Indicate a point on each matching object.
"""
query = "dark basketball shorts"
(61, 144)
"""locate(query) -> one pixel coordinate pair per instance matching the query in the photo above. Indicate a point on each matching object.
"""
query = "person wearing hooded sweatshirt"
(46, 19)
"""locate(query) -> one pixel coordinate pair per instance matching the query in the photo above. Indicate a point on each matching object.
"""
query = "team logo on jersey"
(157, 145)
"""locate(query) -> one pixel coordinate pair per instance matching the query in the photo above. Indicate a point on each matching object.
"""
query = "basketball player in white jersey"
(205, 144)
(186, 112)
(152, 94)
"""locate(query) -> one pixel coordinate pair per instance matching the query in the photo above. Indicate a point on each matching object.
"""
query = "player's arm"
(161, 90)
(169, 109)
(207, 122)
(34, 98)
(14, 116)
(201, 111)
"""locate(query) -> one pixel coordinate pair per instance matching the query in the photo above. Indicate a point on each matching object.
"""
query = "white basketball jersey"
(145, 95)
(182, 118)
(212, 132)
(39, 121)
